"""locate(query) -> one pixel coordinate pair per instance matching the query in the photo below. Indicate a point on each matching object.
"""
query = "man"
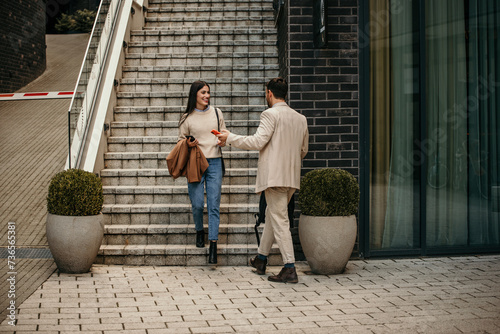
(282, 140)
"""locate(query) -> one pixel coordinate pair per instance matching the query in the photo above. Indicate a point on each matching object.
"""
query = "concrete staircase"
(231, 44)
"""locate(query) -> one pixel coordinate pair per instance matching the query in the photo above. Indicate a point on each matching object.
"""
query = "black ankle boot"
(212, 254)
(259, 264)
(200, 239)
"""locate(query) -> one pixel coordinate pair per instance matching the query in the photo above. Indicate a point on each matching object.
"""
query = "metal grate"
(27, 253)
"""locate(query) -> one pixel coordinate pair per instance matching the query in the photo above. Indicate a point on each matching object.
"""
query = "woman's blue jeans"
(212, 181)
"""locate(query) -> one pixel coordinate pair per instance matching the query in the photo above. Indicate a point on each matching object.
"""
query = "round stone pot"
(74, 241)
(327, 242)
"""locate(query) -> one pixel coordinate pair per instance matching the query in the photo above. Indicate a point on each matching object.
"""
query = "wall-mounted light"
(320, 23)
(278, 10)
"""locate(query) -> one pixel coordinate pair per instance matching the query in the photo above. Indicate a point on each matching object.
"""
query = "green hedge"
(329, 192)
(75, 192)
(82, 21)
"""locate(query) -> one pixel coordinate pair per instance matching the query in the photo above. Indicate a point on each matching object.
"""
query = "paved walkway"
(33, 147)
(431, 295)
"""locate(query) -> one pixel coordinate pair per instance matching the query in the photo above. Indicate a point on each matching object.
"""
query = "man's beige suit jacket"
(282, 140)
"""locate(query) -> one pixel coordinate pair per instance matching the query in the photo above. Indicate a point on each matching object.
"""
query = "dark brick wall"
(22, 45)
(323, 84)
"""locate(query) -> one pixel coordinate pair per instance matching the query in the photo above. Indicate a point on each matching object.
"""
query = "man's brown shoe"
(259, 264)
(286, 275)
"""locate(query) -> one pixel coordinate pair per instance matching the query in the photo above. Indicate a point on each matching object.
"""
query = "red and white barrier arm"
(35, 96)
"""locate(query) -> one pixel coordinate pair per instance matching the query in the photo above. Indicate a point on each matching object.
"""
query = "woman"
(198, 121)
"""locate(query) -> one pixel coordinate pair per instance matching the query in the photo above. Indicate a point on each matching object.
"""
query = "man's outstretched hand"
(222, 137)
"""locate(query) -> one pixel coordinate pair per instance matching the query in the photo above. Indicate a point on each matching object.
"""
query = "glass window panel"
(462, 128)
(394, 125)
(483, 107)
(446, 113)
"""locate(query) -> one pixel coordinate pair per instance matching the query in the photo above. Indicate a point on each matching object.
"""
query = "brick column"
(323, 83)
(22, 51)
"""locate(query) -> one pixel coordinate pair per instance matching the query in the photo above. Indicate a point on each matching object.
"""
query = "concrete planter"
(327, 242)
(74, 241)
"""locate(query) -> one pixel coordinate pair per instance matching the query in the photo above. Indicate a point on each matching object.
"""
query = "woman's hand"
(192, 143)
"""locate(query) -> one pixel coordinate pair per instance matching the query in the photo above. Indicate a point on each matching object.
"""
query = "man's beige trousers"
(277, 226)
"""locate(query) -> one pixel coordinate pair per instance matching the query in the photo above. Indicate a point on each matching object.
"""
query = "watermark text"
(11, 273)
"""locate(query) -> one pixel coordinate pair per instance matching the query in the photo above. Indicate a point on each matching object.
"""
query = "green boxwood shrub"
(75, 192)
(329, 192)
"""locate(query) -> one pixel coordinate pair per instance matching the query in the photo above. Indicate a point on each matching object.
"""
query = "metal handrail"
(87, 87)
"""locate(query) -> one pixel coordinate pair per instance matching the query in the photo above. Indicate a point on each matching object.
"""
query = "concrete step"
(209, 3)
(191, 34)
(128, 161)
(175, 214)
(235, 159)
(161, 177)
(196, 12)
(215, 21)
(121, 129)
(141, 91)
(180, 98)
(167, 213)
(174, 255)
(195, 72)
(173, 113)
(168, 208)
(205, 59)
(178, 234)
(182, 85)
(173, 194)
(148, 113)
(253, 74)
(141, 144)
(157, 144)
(201, 47)
(204, 36)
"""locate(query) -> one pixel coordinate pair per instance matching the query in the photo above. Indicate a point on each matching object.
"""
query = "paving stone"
(197, 299)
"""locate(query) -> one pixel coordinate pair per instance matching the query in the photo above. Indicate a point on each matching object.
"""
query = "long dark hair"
(193, 92)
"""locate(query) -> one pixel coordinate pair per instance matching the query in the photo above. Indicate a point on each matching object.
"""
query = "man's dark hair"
(278, 86)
